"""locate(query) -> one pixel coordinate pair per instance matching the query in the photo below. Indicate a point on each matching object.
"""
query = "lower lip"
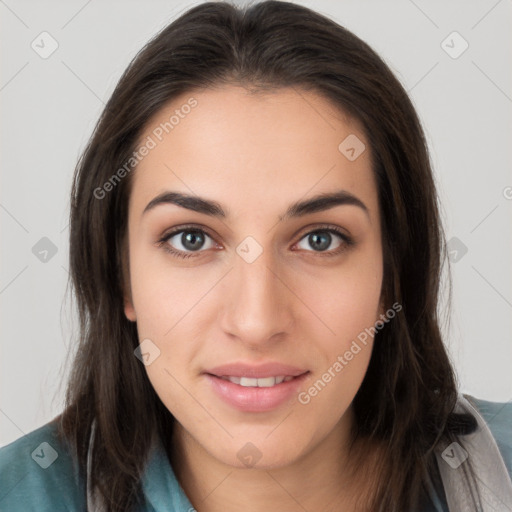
(255, 399)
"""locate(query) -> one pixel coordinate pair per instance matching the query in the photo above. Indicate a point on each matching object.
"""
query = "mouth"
(251, 394)
(249, 382)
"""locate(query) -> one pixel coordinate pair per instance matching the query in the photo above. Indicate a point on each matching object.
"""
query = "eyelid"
(321, 227)
(187, 227)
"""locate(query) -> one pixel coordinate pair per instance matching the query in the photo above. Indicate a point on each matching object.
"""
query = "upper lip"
(271, 369)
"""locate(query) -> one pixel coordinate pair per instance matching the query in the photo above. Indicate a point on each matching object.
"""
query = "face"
(258, 283)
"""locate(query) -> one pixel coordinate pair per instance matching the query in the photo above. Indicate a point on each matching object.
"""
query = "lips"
(256, 388)
(251, 371)
(256, 398)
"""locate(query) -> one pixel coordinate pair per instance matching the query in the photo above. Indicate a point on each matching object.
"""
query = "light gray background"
(49, 108)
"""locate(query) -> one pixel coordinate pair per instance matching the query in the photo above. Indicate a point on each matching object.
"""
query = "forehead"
(250, 150)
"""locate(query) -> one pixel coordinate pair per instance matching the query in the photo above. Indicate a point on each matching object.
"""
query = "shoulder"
(498, 417)
(37, 472)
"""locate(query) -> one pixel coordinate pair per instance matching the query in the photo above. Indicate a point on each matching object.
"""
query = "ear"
(129, 310)
(382, 309)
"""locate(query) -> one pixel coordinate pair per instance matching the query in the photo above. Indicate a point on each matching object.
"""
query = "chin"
(258, 453)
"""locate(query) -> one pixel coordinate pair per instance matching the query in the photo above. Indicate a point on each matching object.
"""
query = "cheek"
(350, 309)
(346, 300)
(348, 305)
(162, 294)
(161, 297)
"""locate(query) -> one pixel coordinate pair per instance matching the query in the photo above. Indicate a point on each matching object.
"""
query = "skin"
(256, 155)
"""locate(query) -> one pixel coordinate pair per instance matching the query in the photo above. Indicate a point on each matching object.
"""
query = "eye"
(321, 239)
(185, 240)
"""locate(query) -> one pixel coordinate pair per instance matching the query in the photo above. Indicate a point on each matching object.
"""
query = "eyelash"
(347, 241)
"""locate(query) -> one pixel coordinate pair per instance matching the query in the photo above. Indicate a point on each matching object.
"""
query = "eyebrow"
(318, 203)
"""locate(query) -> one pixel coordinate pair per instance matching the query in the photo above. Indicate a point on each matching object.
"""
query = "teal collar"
(161, 489)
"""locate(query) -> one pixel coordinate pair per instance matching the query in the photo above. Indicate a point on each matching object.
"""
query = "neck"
(319, 481)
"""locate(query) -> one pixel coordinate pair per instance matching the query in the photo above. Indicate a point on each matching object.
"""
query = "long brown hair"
(407, 398)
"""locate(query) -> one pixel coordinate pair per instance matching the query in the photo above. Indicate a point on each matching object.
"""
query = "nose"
(258, 303)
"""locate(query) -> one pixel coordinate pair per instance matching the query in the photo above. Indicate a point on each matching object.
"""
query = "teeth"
(266, 382)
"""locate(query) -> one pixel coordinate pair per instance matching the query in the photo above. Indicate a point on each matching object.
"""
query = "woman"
(256, 254)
